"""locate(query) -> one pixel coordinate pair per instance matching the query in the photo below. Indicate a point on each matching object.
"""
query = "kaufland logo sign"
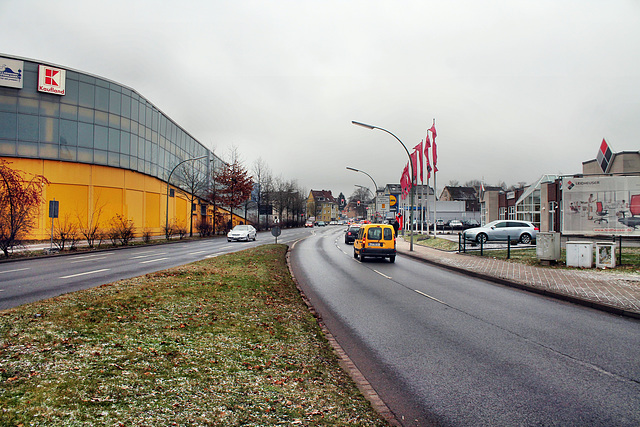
(51, 80)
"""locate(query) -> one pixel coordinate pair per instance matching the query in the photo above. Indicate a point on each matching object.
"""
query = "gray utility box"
(548, 246)
(580, 254)
(605, 255)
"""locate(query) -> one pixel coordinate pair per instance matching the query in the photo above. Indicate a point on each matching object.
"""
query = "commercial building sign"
(51, 80)
(604, 156)
(11, 72)
(601, 205)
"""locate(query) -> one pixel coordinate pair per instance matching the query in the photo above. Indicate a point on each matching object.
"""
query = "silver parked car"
(521, 231)
(242, 232)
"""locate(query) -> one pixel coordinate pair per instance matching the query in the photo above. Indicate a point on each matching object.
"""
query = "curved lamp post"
(166, 221)
(364, 125)
(375, 195)
(372, 180)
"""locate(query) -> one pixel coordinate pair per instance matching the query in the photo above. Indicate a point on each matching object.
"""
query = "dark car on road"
(351, 233)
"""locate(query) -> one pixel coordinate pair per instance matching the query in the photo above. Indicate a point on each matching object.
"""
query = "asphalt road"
(31, 280)
(441, 348)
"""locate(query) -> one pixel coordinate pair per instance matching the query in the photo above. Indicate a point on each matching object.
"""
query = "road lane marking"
(429, 296)
(93, 255)
(147, 256)
(13, 271)
(86, 260)
(153, 260)
(196, 253)
(85, 273)
(382, 274)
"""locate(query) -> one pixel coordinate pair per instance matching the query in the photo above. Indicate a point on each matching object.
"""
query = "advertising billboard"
(11, 72)
(601, 205)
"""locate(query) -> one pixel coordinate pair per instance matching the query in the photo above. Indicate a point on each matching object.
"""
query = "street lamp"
(372, 180)
(364, 125)
(166, 221)
(375, 195)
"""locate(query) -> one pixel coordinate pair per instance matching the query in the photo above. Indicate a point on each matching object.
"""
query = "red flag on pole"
(435, 149)
(404, 180)
(427, 145)
(418, 148)
(414, 166)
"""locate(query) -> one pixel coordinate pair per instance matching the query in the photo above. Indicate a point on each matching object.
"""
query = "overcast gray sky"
(517, 88)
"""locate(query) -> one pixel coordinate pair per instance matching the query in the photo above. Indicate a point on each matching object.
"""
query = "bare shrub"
(182, 231)
(65, 233)
(90, 229)
(122, 230)
(146, 235)
(205, 228)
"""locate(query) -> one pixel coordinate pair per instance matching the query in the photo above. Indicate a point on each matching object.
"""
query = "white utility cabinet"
(548, 246)
(580, 254)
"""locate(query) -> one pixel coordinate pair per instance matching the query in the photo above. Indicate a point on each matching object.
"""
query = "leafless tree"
(89, 227)
(476, 183)
(65, 231)
(362, 194)
(262, 180)
(21, 196)
(193, 183)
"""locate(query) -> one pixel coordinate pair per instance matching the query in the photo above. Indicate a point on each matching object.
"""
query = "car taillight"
(536, 228)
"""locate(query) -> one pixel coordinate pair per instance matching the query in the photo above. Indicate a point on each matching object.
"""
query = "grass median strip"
(226, 341)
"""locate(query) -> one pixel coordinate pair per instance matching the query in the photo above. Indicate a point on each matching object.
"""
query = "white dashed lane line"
(85, 273)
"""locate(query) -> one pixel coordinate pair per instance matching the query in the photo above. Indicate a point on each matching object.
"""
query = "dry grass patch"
(227, 341)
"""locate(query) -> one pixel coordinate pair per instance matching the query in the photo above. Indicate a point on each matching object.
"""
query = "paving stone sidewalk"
(606, 290)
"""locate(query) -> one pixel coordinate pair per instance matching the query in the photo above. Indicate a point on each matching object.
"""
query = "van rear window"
(388, 234)
(375, 233)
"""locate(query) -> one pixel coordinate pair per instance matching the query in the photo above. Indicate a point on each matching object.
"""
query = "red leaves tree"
(20, 200)
(233, 185)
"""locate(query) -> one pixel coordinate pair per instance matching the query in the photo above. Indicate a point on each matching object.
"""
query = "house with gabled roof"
(468, 195)
(322, 205)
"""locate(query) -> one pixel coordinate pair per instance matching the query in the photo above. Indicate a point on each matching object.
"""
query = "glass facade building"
(99, 143)
(96, 122)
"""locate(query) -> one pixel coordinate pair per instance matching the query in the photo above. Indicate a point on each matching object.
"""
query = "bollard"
(619, 249)
(508, 247)
(481, 247)
(459, 242)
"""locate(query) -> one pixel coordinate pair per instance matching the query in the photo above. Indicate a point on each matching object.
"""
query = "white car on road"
(242, 232)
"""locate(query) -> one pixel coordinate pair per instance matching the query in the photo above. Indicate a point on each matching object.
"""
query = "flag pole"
(435, 201)
(435, 205)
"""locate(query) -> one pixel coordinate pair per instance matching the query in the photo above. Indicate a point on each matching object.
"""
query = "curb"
(506, 282)
(344, 360)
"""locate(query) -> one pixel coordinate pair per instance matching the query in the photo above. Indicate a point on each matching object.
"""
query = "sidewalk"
(608, 291)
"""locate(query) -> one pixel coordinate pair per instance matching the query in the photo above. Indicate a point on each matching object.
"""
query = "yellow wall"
(83, 191)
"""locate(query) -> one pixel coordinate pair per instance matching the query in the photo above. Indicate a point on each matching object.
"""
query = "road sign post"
(275, 231)
(53, 213)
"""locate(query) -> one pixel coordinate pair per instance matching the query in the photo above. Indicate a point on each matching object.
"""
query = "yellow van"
(375, 241)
